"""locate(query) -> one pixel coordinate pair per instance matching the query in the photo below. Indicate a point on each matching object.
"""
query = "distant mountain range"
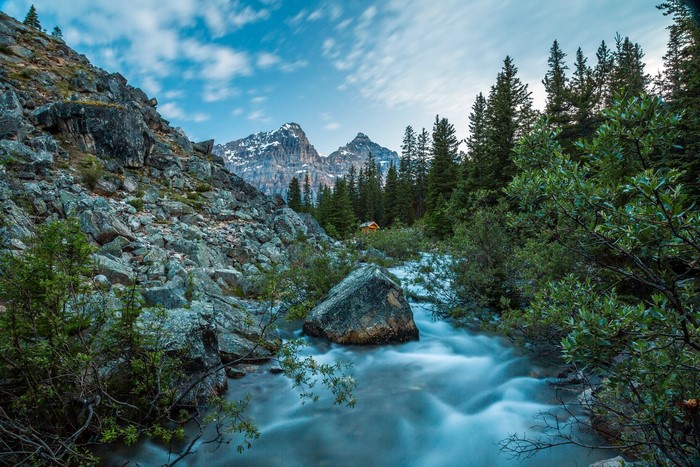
(269, 160)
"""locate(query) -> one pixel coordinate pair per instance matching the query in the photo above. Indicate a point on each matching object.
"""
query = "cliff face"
(269, 160)
(79, 142)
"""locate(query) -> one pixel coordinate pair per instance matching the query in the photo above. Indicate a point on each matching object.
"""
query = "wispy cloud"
(172, 110)
(436, 56)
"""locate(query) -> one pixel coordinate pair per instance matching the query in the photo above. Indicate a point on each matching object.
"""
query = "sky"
(225, 69)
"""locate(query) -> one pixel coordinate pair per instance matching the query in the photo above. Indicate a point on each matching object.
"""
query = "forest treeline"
(575, 227)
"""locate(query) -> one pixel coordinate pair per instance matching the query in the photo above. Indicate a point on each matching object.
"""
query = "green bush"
(401, 243)
(90, 170)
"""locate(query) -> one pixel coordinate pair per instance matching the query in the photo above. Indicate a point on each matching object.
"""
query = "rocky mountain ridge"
(269, 160)
(161, 211)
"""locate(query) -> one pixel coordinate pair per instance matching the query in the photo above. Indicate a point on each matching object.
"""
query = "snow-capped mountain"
(269, 159)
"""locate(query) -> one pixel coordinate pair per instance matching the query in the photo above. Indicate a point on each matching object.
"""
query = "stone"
(115, 271)
(92, 128)
(191, 335)
(130, 183)
(367, 307)
(244, 335)
(101, 282)
(103, 225)
(618, 461)
(168, 296)
(203, 147)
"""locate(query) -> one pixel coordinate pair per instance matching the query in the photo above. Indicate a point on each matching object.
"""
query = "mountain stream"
(445, 400)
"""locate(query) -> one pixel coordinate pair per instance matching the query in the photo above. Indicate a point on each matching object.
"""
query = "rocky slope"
(269, 160)
(162, 212)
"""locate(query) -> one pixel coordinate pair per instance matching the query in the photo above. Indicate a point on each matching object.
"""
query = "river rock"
(367, 307)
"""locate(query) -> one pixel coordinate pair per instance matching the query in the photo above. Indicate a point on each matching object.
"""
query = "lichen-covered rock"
(367, 307)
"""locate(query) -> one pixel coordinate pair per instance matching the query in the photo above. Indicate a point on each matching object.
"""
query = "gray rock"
(366, 307)
(150, 196)
(115, 271)
(203, 147)
(618, 461)
(102, 282)
(103, 225)
(244, 335)
(176, 208)
(108, 129)
(191, 335)
(114, 247)
(168, 296)
(130, 183)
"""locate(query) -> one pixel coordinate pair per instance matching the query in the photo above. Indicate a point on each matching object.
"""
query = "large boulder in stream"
(367, 307)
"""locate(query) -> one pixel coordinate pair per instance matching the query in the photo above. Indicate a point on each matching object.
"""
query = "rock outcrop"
(367, 307)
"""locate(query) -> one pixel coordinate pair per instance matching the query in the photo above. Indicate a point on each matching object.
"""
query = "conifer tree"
(477, 153)
(32, 19)
(603, 76)
(392, 206)
(340, 214)
(294, 195)
(405, 177)
(628, 72)
(509, 115)
(682, 78)
(308, 202)
(420, 173)
(582, 100)
(443, 173)
(555, 84)
(57, 32)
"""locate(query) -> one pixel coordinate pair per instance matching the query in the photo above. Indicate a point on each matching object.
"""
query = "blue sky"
(224, 69)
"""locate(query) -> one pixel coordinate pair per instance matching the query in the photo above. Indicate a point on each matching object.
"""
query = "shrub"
(401, 243)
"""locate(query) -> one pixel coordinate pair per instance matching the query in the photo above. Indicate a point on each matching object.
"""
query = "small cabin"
(369, 227)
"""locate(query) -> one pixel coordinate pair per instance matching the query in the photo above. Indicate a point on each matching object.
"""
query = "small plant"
(137, 203)
(203, 187)
(90, 170)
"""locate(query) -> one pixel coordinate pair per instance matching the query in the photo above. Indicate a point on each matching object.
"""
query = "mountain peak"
(362, 136)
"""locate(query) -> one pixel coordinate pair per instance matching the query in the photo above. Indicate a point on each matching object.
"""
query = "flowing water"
(447, 399)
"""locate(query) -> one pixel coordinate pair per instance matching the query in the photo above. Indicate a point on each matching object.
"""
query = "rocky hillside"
(161, 211)
(269, 160)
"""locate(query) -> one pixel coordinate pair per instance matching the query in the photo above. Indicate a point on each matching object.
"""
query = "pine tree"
(32, 19)
(603, 77)
(308, 202)
(628, 72)
(405, 177)
(392, 201)
(340, 215)
(682, 75)
(555, 84)
(473, 162)
(582, 100)
(509, 116)
(420, 173)
(57, 32)
(443, 173)
(294, 195)
(477, 153)
(371, 191)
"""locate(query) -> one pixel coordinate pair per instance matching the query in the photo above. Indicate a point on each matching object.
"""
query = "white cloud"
(215, 92)
(434, 57)
(171, 110)
(332, 126)
(267, 60)
(258, 116)
(174, 94)
(237, 112)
